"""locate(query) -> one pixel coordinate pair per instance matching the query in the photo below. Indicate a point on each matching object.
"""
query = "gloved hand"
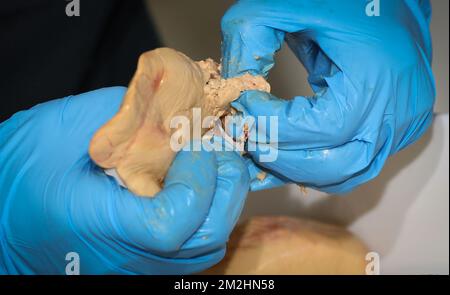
(374, 89)
(55, 200)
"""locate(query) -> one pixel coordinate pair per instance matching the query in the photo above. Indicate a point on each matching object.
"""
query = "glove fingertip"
(232, 166)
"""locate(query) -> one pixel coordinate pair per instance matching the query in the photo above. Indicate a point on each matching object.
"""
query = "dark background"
(45, 54)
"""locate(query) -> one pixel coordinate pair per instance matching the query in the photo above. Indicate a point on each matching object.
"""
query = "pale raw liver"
(287, 245)
(167, 83)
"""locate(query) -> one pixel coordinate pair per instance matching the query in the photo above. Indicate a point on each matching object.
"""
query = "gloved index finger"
(229, 197)
(247, 46)
(253, 30)
(163, 223)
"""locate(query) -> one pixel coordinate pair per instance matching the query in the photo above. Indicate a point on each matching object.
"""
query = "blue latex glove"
(55, 200)
(374, 89)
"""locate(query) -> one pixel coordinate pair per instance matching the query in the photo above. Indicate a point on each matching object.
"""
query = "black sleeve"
(45, 54)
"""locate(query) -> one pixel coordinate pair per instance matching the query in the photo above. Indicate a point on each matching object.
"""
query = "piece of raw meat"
(286, 245)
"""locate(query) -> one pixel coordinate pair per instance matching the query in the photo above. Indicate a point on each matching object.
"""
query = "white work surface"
(403, 214)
